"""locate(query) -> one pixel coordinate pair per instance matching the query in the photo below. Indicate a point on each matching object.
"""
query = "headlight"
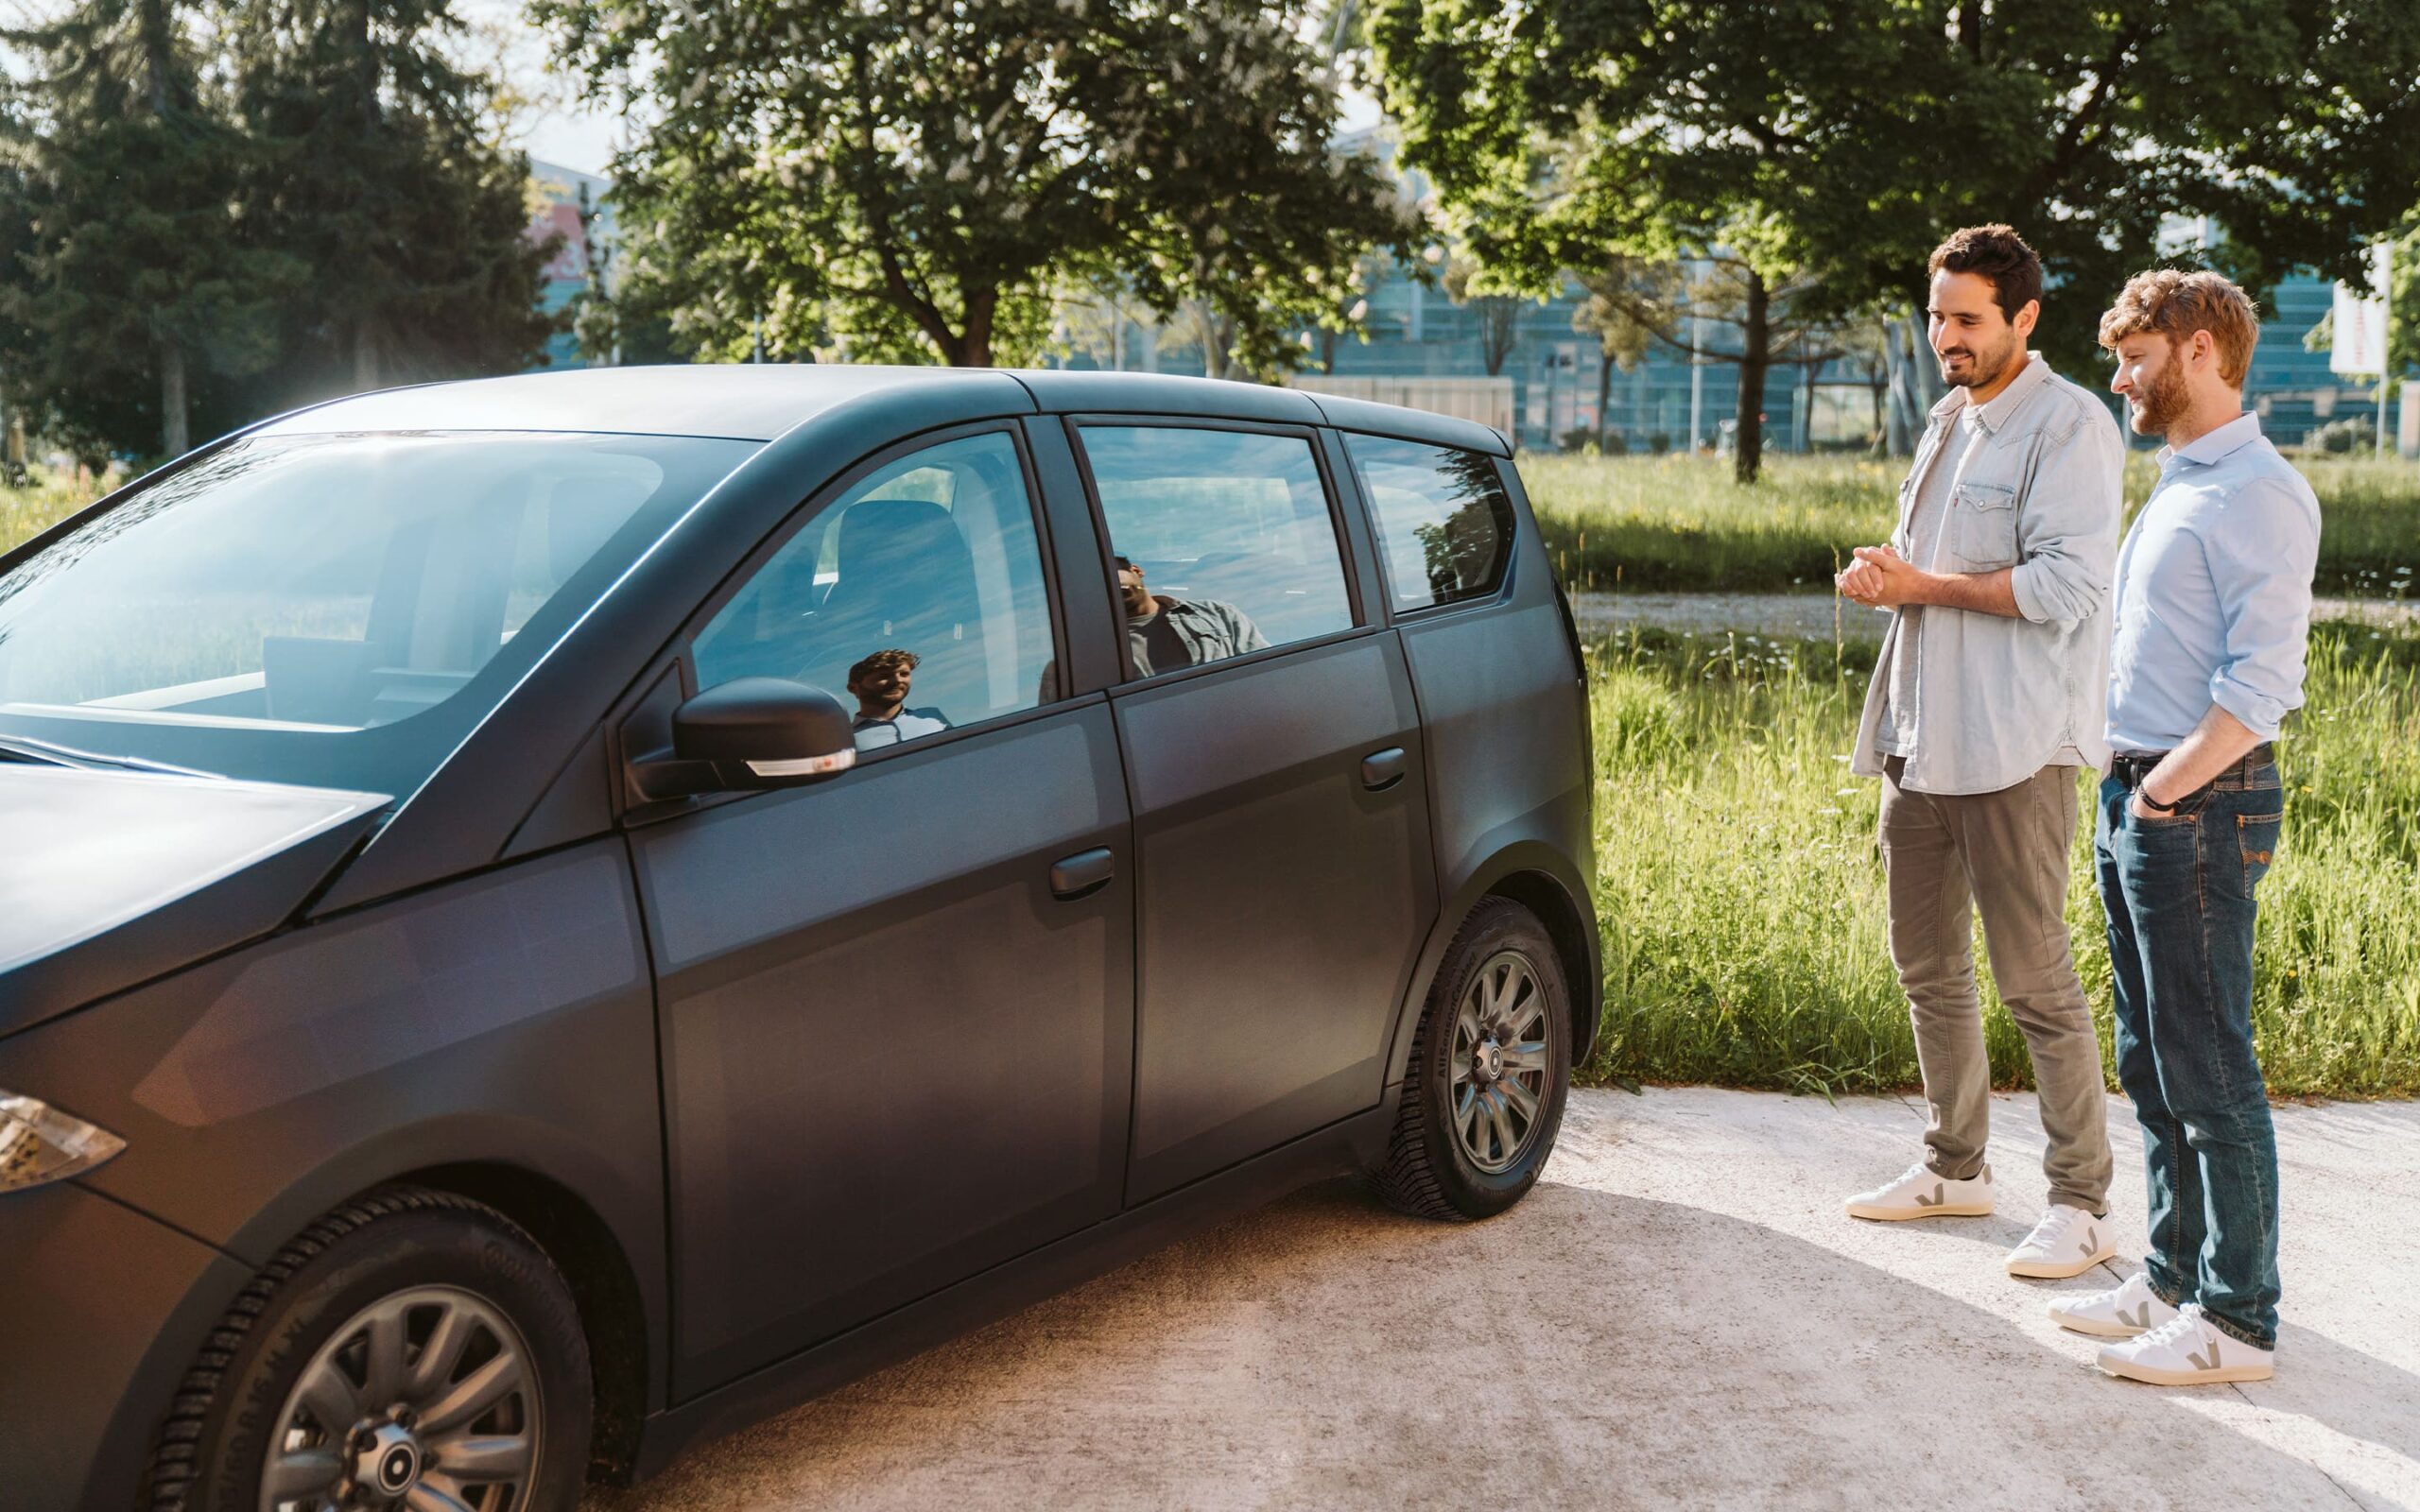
(39, 1143)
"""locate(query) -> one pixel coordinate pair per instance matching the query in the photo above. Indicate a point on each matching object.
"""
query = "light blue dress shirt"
(2213, 592)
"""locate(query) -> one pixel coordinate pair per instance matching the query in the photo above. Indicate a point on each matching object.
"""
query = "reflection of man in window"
(880, 684)
(1166, 633)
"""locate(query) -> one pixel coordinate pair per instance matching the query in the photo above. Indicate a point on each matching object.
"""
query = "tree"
(372, 164)
(1828, 144)
(126, 288)
(1498, 313)
(1609, 314)
(922, 176)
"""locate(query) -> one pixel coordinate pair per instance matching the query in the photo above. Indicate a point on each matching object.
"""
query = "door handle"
(1082, 874)
(1383, 769)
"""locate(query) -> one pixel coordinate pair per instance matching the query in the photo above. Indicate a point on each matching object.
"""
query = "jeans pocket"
(2256, 837)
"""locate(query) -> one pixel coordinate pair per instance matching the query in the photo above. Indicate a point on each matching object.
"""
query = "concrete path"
(1678, 1316)
(1810, 615)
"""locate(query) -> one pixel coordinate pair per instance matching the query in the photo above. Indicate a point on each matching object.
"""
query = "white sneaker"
(2186, 1352)
(2068, 1242)
(2121, 1313)
(1920, 1194)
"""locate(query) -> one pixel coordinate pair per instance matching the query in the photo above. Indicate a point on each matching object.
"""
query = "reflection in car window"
(1445, 521)
(916, 598)
(1224, 541)
(287, 607)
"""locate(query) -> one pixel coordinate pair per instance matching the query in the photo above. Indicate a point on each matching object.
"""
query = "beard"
(2160, 404)
(1985, 364)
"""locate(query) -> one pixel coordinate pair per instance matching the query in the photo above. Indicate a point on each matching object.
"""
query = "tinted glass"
(1224, 540)
(916, 598)
(1445, 521)
(332, 609)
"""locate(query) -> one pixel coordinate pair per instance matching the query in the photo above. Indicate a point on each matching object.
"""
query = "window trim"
(1362, 622)
(1504, 587)
(804, 512)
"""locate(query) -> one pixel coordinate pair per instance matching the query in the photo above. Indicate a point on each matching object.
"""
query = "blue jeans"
(2178, 894)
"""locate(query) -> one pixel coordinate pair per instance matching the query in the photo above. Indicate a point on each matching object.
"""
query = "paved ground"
(1811, 614)
(1678, 1316)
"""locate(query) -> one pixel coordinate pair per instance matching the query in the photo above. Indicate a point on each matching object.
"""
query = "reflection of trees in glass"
(1461, 550)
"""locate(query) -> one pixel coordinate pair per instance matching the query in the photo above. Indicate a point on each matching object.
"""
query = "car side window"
(916, 598)
(1445, 521)
(1223, 542)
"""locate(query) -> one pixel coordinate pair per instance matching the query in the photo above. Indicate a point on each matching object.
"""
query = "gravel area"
(1811, 615)
(1680, 1315)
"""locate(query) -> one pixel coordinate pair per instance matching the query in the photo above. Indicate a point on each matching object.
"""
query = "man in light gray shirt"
(1984, 703)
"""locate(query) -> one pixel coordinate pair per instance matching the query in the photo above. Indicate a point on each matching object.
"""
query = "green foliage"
(183, 249)
(912, 180)
(1684, 525)
(1832, 144)
(129, 294)
(1741, 897)
(371, 165)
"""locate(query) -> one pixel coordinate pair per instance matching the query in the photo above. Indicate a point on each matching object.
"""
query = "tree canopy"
(915, 179)
(1831, 143)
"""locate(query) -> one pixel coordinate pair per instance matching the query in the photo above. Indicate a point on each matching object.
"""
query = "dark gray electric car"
(544, 918)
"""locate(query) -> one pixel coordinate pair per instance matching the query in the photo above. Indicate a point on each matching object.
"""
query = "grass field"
(30, 510)
(1742, 894)
(1679, 524)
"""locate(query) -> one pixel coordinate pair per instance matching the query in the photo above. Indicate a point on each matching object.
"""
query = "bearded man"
(1985, 701)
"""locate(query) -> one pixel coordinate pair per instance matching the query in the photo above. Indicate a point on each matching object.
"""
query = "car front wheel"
(1491, 1064)
(413, 1348)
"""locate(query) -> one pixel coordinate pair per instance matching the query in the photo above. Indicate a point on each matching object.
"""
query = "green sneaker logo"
(1933, 1201)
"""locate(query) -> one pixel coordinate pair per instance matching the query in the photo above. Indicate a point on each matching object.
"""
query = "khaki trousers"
(2005, 854)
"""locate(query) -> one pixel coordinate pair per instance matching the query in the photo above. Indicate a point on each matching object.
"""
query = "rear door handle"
(1082, 874)
(1383, 769)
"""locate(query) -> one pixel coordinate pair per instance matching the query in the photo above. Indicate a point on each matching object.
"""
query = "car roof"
(757, 402)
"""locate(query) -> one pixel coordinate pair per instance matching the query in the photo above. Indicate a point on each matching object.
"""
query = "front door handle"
(1383, 769)
(1082, 874)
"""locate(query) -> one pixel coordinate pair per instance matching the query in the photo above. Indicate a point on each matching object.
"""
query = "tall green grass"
(29, 511)
(1680, 524)
(1742, 893)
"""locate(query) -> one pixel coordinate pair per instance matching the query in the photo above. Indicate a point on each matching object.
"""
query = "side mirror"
(747, 735)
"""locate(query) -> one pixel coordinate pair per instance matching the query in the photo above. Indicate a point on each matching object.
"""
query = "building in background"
(572, 205)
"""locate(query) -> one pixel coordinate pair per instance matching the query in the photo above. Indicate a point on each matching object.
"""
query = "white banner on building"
(2360, 323)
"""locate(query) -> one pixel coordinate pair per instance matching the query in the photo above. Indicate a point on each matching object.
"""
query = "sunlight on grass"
(1680, 524)
(1742, 893)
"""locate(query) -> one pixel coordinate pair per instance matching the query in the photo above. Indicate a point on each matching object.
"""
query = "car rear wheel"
(1490, 1066)
(413, 1350)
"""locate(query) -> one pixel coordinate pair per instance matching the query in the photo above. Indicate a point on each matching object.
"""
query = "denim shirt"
(2038, 490)
(2214, 592)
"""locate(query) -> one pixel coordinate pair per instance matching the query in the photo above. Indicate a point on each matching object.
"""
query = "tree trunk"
(1756, 356)
(974, 347)
(175, 439)
(1604, 397)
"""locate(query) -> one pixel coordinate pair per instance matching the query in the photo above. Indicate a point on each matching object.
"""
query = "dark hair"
(884, 662)
(2000, 256)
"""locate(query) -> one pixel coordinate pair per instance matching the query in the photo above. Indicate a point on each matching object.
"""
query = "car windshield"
(337, 610)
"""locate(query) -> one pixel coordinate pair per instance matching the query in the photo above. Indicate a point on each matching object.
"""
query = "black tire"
(397, 1240)
(1428, 1171)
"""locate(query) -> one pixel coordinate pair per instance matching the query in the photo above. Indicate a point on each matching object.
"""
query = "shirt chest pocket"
(1982, 526)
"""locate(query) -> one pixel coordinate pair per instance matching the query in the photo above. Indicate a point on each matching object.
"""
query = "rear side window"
(1223, 538)
(1445, 521)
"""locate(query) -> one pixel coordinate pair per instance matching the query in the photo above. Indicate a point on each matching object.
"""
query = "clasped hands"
(1879, 578)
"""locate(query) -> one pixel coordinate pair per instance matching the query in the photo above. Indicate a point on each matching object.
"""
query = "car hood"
(108, 879)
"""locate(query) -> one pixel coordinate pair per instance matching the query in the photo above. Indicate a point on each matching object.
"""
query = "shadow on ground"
(1619, 1340)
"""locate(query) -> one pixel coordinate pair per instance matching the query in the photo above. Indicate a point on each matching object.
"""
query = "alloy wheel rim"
(1497, 1077)
(426, 1400)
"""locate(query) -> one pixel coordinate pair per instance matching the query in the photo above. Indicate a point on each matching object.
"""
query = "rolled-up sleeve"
(2067, 530)
(2260, 566)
